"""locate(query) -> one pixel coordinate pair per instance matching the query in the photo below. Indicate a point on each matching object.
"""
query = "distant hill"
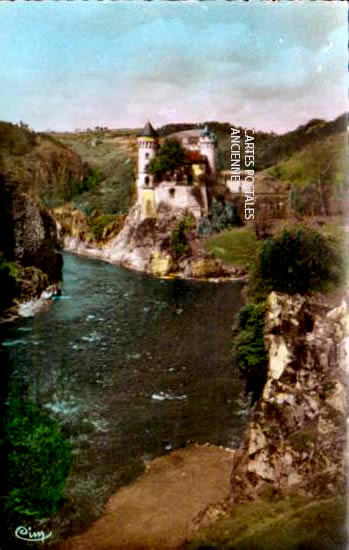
(39, 165)
(270, 148)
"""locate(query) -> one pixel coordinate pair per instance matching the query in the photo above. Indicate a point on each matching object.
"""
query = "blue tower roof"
(206, 132)
(148, 131)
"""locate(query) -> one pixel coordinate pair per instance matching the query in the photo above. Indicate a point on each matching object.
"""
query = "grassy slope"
(290, 524)
(238, 246)
(303, 166)
(38, 164)
(114, 161)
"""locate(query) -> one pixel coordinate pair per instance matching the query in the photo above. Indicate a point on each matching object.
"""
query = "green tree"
(250, 351)
(300, 259)
(8, 282)
(179, 240)
(169, 157)
(38, 458)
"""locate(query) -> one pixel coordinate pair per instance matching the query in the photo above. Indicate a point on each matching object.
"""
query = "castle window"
(146, 180)
(147, 155)
(172, 192)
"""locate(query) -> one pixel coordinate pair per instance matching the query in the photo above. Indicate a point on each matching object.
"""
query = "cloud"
(119, 64)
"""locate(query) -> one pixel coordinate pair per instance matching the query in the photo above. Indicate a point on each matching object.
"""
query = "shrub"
(38, 457)
(179, 241)
(300, 259)
(114, 195)
(8, 282)
(222, 216)
(91, 180)
(169, 157)
(99, 224)
(250, 351)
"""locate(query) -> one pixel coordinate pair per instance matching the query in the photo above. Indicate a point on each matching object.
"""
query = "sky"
(268, 66)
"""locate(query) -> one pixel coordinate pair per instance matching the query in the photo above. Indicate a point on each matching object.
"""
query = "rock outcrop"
(28, 239)
(35, 172)
(145, 245)
(296, 437)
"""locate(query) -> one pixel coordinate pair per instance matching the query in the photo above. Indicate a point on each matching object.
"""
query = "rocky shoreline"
(290, 467)
(144, 246)
(292, 464)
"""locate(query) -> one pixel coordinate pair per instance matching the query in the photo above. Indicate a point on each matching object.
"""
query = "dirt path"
(157, 511)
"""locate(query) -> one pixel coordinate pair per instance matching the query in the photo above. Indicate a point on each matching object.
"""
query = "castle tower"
(207, 145)
(148, 143)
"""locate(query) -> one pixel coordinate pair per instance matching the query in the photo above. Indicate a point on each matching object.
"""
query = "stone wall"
(182, 197)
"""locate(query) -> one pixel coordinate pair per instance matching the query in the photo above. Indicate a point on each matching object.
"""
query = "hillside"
(316, 175)
(39, 165)
(35, 171)
(270, 148)
(113, 159)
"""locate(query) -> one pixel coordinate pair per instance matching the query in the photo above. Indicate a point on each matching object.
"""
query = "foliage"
(8, 282)
(113, 194)
(250, 351)
(317, 174)
(304, 200)
(291, 523)
(238, 247)
(70, 189)
(179, 241)
(169, 157)
(222, 216)
(91, 180)
(16, 139)
(300, 259)
(99, 224)
(39, 459)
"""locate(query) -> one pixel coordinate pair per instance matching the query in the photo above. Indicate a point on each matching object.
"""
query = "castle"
(186, 188)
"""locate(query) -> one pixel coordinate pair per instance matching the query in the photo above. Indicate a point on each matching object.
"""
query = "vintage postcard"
(174, 330)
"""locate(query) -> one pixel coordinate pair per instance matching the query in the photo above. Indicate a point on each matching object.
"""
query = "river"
(132, 367)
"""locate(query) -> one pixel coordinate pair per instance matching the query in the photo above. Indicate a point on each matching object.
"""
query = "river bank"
(145, 245)
(161, 508)
(288, 475)
(131, 368)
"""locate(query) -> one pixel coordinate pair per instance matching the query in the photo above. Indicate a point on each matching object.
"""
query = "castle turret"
(148, 142)
(207, 145)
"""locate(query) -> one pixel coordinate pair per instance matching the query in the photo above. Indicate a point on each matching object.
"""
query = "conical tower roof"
(206, 132)
(148, 131)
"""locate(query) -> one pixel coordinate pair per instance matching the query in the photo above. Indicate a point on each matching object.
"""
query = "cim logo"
(27, 534)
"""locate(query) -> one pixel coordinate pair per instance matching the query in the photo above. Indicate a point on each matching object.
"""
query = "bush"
(99, 224)
(8, 282)
(222, 216)
(300, 259)
(169, 157)
(38, 460)
(179, 241)
(114, 195)
(250, 351)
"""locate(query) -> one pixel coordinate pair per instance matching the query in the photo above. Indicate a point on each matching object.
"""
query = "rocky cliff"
(34, 170)
(145, 245)
(296, 438)
(28, 240)
(289, 477)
